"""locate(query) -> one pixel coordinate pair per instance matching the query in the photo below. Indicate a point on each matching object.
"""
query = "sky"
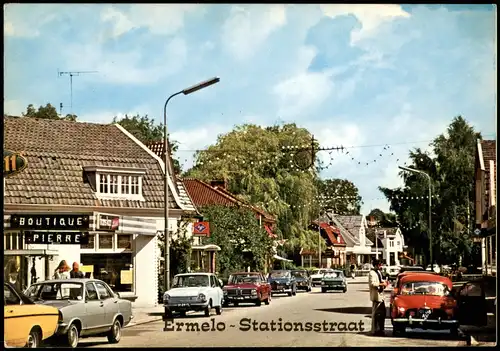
(379, 79)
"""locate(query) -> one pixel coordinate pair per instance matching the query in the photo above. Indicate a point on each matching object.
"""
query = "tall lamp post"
(166, 253)
(408, 169)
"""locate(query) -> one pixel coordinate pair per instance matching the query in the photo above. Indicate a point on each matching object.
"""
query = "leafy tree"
(386, 220)
(243, 242)
(47, 112)
(270, 168)
(145, 129)
(340, 195)
(451, 169)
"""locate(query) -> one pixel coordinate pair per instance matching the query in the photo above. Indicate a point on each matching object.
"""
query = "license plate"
(239, 298)
(183, 304)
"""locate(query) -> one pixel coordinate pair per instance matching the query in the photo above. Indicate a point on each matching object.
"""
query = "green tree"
(340, 195)
(451, 169)
(270, 168)
(243, 241)
(145, 129)
(47, 112)
(386, 220)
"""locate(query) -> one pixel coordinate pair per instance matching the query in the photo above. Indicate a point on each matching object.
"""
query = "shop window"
(90, 244)
(120, 185)
(124, 241)
(113, 269)
(106, 241)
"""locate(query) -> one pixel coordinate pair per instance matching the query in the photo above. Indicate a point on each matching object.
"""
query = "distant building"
(389, 245)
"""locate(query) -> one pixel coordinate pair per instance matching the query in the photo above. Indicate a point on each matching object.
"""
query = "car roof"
(197, 273)
(246, 273)
(427, 278)
(71, 280)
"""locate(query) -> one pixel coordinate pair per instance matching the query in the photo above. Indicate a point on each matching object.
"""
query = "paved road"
(328, 310)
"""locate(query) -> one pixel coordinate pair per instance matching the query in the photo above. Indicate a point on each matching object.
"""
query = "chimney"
(219, 184)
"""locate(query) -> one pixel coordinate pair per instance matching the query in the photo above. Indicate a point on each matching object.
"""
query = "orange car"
(424, 300)
(397, 283)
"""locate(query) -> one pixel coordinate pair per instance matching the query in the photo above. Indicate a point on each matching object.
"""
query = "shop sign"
(13, 163)
(62, 238)
(108, 223)
(201, 229)
(49, 221)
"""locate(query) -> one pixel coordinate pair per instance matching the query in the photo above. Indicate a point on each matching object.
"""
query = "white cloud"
(25, 20)
(161, 19)
(127, 68)
(14, 107)
(248, 27)
(370, 16)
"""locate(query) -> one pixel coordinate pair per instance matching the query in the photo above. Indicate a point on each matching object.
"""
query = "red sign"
(201, 229)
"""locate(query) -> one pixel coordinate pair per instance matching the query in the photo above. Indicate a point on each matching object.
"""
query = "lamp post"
(408, 169)
(166, 253)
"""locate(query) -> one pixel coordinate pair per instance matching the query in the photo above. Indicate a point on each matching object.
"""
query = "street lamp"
(408, 169)
(166, 253)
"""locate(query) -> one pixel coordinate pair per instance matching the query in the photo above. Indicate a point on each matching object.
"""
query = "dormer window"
(116, 182)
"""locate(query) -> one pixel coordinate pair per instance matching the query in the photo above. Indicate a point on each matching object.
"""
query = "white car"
(194, 292)
(317, 275)
(391, 272)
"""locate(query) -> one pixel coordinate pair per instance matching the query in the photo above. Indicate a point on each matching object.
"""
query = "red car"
(424, 300)
(247, 287)
(397, 283)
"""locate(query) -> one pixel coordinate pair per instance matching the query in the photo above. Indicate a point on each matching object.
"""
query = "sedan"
(87, 307)
(334, 280)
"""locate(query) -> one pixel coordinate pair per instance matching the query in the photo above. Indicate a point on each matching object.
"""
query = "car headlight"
(166, 297)
(401, 309)
(202, 297)
(322, 282)
(254, 291)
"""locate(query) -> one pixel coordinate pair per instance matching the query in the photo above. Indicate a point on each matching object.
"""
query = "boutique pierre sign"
(52, 228)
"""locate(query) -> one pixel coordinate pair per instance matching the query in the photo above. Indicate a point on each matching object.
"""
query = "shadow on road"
(348, 310)
(84, 343)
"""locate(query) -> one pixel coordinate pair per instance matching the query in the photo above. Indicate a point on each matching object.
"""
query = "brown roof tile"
(58, 150)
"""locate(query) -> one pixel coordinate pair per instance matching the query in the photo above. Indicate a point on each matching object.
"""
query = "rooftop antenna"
(71, 75)
(60, 108)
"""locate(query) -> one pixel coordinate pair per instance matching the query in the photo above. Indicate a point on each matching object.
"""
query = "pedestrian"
(76, 272)
(353, 273)
(377, 287)
(62, 271)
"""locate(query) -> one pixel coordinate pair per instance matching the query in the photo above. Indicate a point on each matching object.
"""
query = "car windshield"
(299, 274)
(425, 288)
(243, 278)
(279, 274)
(332, 275)
(316, 271)
(55, 291)
(189, 281)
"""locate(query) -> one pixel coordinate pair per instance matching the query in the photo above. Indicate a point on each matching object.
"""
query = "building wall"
(146, 271)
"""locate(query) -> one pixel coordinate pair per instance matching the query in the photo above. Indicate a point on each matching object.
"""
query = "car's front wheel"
(72, 338)
(115, 334)
(34, 339)
(398, 329)
(218, 309)
(207, 309)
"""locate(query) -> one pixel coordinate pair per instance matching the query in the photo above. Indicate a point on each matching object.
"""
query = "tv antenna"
(71, 75)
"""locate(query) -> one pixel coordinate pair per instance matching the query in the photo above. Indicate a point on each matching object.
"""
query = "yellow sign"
(13, 163)
(126, 276)
(87, 269)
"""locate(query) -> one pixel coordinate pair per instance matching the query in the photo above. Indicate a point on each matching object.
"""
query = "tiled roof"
(370, 234)
(57, 151)
(489, 150)
(204, 194)
(333, 236)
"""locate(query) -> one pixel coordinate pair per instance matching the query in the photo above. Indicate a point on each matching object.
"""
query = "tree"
(451, 169)
(243, 242)
(47, 112)
(386, 220)
(270, 168)
(340, 195)
(145, 129)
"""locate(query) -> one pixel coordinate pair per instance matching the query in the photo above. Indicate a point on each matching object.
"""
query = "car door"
(94, 309)
(472, 309)
(15, 331)
(264, 287)
(108, 300)
(214, 291)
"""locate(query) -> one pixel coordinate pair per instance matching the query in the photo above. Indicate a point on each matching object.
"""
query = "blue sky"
(354, 75)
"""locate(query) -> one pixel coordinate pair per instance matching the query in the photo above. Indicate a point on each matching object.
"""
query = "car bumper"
(334, 287)
(240, 298)
(426, 323)
(188, 306)
(282, 290)
(302, 287)
(62, 329)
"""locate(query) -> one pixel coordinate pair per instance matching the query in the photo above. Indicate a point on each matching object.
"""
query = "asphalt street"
(336, 319)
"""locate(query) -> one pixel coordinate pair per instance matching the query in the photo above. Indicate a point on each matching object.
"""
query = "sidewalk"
(146, 315)
(481, 336)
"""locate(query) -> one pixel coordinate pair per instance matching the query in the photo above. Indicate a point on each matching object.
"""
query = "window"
(91, 292)
(124, 241)
(126, 184)
(103, 183)
(114, 184)
(106, 241)
(91, 243)
(398, 244)
(103, 291)
(134, 183)
(114, 270)
(10, 297)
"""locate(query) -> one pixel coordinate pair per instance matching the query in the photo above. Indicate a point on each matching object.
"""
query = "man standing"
(75, 272)
(377, 286)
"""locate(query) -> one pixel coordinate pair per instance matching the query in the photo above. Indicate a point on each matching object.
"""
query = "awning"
(279, 258)
(127, 224)
(32, 252)
(210, 247)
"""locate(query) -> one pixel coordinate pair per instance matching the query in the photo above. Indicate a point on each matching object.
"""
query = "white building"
(389, 246)
(105, 186)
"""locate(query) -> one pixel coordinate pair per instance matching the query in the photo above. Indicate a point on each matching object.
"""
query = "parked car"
(391, 272)
(87, 307)
(282, 282)
(334, 280)
(194, 292)
(397, 284)
(25, 323)
(317, 275)
(434, 268)
(302, 279)
(247, 287)
(403, 269)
